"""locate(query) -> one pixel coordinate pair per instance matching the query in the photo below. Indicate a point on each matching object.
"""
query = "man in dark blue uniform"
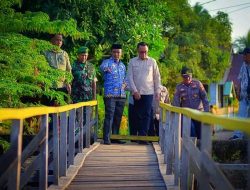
(190, 93)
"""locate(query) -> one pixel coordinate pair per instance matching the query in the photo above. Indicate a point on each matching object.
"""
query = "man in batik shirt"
(114, 72)
(84, 78)
(243, 92)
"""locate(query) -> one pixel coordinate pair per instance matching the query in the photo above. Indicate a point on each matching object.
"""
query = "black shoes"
(143, 142)
(107, 142)
(113, 141)
(118, 141)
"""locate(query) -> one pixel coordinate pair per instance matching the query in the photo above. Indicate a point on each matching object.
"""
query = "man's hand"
(107, 69)
(124, 85)
(157, 116)
(68, 86)
(137, 96)
(157, 97)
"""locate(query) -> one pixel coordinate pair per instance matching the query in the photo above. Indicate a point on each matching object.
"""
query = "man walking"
(114, 72)
(144, 80)
(190, 93)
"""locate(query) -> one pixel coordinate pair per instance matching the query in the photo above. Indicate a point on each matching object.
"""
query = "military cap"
(83, 49)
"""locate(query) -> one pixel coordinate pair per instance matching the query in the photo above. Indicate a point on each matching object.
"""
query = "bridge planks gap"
(124, 166)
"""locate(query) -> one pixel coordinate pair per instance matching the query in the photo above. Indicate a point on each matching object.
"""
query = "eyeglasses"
(142, 51)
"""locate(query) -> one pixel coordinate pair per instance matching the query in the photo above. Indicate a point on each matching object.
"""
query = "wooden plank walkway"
(126, 167)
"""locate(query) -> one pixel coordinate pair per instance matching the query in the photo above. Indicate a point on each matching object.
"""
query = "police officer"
(190, 93)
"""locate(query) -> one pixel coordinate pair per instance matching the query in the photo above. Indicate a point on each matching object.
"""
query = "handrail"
(184, 159)
(22, 113)
(228, 123)
(55, 147)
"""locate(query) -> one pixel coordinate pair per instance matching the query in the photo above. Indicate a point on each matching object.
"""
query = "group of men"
(83, 85)
(143, 81)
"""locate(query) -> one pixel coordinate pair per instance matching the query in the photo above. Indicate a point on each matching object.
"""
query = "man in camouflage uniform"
(84, 78)
(59, 59)
(191, 94)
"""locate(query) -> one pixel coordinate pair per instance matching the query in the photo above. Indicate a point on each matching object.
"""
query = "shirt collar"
(113, 60)
(138, 58)
(56, 50)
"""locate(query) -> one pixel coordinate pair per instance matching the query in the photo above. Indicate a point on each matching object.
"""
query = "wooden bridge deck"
(116, 166)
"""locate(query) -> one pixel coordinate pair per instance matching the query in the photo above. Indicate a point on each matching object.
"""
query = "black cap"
(186, 71)
(116, 46)
(246, 50)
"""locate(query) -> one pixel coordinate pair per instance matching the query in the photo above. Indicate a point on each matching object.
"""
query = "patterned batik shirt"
(244, 80)
(83, 78)
(192, 96)
(114, 78)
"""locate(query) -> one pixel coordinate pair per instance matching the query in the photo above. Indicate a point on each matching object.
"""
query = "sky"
(238, 12)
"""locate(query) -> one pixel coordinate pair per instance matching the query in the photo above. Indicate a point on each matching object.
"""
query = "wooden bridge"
(66, 154)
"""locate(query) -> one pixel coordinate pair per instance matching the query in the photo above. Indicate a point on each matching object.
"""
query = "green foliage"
(197, 40)
(25, 75)
(4, 145)
(242, 42)
(101, 114)
(177, 35)
(230, 151)
(12, 21)
(110, 21)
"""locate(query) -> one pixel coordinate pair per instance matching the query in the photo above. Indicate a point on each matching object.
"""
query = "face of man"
(82, 58)
(116, 54)
(57, 40)
(247, 58)
(143, 52)
(187, 78)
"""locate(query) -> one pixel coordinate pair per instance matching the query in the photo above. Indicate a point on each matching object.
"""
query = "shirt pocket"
(136, 70)
(195, 93)
(149, 70)
(183, 96)
(61, 62)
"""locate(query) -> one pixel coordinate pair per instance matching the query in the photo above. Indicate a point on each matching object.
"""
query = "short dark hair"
(54, 35)
(141, 44)
(246, 50)
(116, 46)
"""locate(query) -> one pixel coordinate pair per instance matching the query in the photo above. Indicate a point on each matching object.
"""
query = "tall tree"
(177, 33)
(25, 76)
(242, 42)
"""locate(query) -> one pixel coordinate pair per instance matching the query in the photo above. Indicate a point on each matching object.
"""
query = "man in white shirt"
(144, 79)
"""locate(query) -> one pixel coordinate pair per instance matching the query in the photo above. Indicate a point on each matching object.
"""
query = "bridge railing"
(64, 132)
(184, 159)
